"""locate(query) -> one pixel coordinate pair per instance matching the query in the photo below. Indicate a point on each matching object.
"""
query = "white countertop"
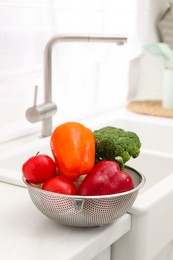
(26, 234)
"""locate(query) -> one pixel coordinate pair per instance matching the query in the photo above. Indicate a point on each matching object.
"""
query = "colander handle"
(78, 204)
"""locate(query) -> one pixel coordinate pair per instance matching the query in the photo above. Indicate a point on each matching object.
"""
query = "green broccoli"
(116, 144)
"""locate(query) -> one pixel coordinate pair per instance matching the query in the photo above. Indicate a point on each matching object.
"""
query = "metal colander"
(86, 211)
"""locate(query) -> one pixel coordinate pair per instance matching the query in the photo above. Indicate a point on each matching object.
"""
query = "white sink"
(152, 213)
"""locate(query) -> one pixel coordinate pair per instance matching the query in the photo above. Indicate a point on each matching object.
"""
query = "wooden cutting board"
(150, 107)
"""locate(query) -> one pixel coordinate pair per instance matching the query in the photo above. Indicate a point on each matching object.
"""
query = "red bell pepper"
(105, 178)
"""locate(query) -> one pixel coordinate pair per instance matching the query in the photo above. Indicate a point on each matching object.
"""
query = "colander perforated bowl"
(86, 211)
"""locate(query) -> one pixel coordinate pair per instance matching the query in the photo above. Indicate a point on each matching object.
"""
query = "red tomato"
(39, 168)
(60, 184)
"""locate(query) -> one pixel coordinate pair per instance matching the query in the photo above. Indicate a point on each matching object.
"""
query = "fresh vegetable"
(105, 178)
(116, 144)
(60, 184)
(39, 168)
(73, 147)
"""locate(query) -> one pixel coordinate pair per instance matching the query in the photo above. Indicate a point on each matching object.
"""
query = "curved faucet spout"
(119, 40)
(45, 117)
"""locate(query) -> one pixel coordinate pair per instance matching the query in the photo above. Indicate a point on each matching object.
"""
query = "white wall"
(97, 72)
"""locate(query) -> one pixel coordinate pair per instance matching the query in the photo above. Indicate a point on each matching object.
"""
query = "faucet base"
(47, 127)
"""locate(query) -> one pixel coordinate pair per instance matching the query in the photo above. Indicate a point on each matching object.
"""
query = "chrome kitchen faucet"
(45, 111)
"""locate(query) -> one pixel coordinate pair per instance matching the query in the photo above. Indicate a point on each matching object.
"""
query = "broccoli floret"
(116, 144)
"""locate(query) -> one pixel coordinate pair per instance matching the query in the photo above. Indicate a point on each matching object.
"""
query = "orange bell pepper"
(73, 148)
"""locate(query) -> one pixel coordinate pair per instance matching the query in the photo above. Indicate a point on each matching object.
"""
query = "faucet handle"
(41, 112)
(35, 95)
